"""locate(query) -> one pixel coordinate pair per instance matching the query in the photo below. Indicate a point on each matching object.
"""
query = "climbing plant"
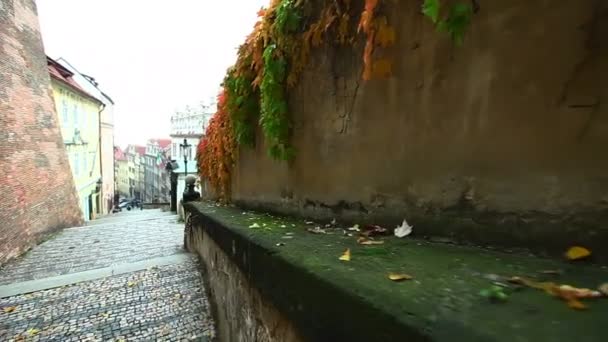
(242, 105)
(275, 53)
(455, 22)
(215, 152)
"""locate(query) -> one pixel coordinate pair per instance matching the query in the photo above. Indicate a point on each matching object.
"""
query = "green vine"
(455, 23)
(287, 18)
(243, 105)
(274, 118)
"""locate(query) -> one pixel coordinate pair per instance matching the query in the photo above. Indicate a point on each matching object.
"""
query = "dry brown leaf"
(551, 272)
(577, 253)
(566, 292)
(372, 230)
(399, 276)
(576, 304)
(368, 242)
(346, 255)
(9, 309)
(316, 230)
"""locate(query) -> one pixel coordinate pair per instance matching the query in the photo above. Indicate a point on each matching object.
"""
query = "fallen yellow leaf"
(9, 309)
(577, 252)
(346, 255)
(399, 276)
(131, 284)
(33, 331)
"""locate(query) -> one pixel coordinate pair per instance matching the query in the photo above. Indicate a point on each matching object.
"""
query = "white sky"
(151, 56)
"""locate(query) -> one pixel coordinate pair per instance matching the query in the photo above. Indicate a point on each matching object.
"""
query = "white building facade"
(190, 125)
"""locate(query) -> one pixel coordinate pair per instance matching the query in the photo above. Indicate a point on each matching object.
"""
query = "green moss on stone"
(442, 302)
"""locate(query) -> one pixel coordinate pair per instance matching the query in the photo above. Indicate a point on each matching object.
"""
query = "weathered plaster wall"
(37, 193)
(503, 140)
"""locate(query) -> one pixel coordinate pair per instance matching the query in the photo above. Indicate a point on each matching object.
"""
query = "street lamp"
(185, 148)
(98, 185)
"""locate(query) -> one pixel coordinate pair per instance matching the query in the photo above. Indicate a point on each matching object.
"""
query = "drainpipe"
(101, 199)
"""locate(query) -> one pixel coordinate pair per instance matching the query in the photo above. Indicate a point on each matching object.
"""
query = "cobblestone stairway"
(123, 278)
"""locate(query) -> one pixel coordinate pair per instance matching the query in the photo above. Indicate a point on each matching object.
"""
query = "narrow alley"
(120, 278)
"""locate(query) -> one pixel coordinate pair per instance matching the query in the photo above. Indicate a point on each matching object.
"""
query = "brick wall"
(37, 193)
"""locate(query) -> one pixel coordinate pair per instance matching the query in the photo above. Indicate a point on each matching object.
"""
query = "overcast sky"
(151, 56)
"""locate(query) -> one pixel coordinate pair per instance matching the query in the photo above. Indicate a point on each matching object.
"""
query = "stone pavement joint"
(74, 278)
(127, 278)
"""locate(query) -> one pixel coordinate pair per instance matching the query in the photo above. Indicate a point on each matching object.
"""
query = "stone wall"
(501, 141)
(241, 312)
(36, 185)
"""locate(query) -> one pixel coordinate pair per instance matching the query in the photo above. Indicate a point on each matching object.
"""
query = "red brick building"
(37, 193)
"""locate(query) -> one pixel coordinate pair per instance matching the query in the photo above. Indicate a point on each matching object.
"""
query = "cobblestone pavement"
(84, 248)
(163, 303)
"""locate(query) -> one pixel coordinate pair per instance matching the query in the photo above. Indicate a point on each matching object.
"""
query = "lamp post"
(185, 147)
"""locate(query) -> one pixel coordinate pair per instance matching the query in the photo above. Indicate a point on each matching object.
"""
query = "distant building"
(121, 172)
(136, 158)
(156, 178)
(79, 119)
(189, 124)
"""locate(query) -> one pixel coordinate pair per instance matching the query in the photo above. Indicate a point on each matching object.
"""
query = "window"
(76, 164)
(75, 114)
(64, 111)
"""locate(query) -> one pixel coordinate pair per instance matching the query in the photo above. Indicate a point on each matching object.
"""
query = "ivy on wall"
(274, 55)
(215, 153)
(455, 21)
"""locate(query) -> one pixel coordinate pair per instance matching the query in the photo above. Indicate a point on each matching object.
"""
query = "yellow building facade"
(79, 115)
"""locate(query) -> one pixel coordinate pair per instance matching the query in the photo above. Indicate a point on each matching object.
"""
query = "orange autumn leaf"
(346, 255)
(386, 35)
(367, 15)
(382, 68)
(577, 252)
(367, 58)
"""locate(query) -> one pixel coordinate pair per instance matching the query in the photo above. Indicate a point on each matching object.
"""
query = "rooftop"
(65, 76)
